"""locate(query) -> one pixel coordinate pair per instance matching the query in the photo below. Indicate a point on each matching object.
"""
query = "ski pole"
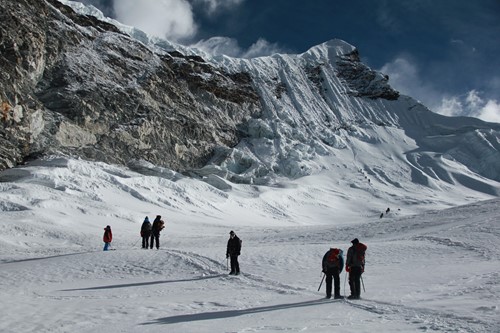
(363, 284)
(321, 281)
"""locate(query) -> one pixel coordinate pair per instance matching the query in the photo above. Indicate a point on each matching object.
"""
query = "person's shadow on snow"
(139, 284)
(232, 313)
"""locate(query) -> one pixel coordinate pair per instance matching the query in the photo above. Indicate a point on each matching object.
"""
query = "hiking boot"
(328, 297)
(338, 297)
(232, 273)
(237, 273)
(353, 297)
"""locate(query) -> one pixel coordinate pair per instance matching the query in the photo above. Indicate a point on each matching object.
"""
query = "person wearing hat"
(145, 232)
(156, 228)
(233, 251)
(107, 238)
(355, 265)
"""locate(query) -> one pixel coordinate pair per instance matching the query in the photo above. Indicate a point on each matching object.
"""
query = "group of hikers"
(150, 233)
(332, 263)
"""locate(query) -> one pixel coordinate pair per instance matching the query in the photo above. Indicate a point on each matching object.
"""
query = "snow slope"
(324, 110)
(432, 261)
(434, 271)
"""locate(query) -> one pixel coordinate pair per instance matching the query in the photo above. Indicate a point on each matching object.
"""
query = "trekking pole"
(363, 284)
(321, 281)
(345, 279)
(133, 245)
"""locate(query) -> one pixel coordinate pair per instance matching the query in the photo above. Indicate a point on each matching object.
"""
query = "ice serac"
(77, 83)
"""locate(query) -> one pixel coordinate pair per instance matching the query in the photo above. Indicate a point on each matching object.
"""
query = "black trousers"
(235, 265)
(355, 281)
(145, 241)
(153, 239)
(332, 273)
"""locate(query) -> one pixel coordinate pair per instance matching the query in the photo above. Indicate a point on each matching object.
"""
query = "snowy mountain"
(104, 125)
(85, 86)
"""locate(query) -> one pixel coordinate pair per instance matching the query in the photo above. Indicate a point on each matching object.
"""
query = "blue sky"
(444, 53)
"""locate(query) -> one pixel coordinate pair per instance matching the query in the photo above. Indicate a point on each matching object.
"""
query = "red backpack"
(333, 259)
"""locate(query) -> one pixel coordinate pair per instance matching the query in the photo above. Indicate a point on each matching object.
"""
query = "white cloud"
(490, 111)
(404, 76)
(261, 48)
(450, 106)
(170, 19)
(471, 104)
(217, 5)
(230, 47)
(473, 100)
(174, 20)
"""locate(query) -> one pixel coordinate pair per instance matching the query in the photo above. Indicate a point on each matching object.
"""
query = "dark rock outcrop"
(74, 85)
(363, 81)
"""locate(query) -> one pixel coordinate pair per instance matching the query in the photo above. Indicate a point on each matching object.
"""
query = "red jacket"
(108, 235)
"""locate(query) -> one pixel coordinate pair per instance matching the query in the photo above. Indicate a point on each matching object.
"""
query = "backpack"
(360, 253)
(334, 258)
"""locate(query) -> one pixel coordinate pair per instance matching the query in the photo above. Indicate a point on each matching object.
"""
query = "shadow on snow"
(140, 284)
(233, 313)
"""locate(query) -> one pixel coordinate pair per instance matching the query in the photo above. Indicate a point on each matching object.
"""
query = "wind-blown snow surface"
(435, 271)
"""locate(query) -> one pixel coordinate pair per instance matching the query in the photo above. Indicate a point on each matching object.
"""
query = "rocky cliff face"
(77, 85)
(74, 85)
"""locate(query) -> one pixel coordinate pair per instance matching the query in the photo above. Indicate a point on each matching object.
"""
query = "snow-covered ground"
(427, 270)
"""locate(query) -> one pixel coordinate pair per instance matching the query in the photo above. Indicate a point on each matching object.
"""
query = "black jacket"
(146, 229)
(233, 246)
(157, 226)
(356, 256)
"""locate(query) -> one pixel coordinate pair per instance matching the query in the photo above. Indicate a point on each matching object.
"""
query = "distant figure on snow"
(381, 215)
(233, 251)
(157, 226)
(107, 238)
(355, 265)
(387, 210)
(145, 233)
(333, 262)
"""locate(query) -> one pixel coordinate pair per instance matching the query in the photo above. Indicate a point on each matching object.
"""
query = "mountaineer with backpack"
(333, 262)
(233, 251)
(355, 265)
(157, 226)
(145, 232)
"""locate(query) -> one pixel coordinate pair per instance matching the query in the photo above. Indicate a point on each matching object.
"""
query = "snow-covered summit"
(118, 96)
(329, 51)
